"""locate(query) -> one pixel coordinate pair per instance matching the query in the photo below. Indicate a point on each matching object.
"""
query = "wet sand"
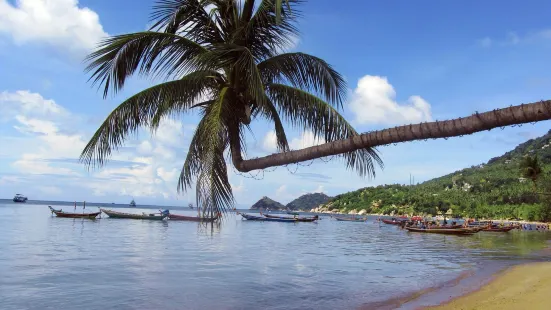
(516, 287)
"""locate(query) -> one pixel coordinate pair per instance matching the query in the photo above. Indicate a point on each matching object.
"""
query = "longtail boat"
(54, 210)
(447, 231)
(392, 222)
(121, 215)
(60, 213)
(351, 219)
(298, 219)
(176, 217)
(499, 229)
(266, 219)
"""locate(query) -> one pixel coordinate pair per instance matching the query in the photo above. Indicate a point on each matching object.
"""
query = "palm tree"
(226, 63)
(514, 115)
(531, 168)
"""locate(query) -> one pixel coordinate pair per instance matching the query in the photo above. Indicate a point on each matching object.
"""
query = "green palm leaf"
(156, 53)
(305, 110)
(305, 72)
(146, 109)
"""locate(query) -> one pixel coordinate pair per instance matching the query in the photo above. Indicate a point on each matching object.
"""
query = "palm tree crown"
(229, 52)
(531, 168)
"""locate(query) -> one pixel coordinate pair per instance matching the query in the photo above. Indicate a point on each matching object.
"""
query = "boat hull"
(390, 222)
(91, 216)
(266, 219)
(341, 219)
(175, 217)
(500, 229)
(298, 219)
(121, 215)
(446, 231)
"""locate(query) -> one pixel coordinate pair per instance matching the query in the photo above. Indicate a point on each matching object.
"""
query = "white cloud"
(167, 175)
(281, 191)
(145, 148)
(170, 133)
(320, 189)
(485, 42)
(61, 23)
(513, 38)
(150, 171)
(374, 102)
(50, 190)
(270, 142)
(35, 164)
(237, 189)
(29, 104)
(306, 140)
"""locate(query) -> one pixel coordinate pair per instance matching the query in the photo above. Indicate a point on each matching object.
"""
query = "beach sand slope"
(520, 287)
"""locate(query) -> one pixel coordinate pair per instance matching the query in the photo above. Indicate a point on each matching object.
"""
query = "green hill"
(308, 201)
(267, 204)
(495, 189)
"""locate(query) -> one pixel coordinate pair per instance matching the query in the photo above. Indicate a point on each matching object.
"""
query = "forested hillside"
(496, 189)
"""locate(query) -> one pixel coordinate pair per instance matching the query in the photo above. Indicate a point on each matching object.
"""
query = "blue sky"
(405, 62)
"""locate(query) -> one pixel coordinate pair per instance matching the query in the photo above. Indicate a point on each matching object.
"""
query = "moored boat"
(54, 210)
(393, 221)
(144, 216)
(60, 213)
(447, 231)
(298, 219)
(499, 229)
(132, 203)
(266, 219)
(350, 219)
(176, 217)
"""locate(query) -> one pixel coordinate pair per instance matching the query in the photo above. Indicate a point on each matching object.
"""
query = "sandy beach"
(515, 288)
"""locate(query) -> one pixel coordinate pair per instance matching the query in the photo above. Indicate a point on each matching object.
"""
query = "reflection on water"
(49, 262)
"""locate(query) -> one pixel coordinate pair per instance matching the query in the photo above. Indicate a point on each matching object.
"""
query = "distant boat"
(19, 198)
(132, 203)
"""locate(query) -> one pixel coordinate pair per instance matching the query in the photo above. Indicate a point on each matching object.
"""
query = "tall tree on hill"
(223, 59)
(531, 169)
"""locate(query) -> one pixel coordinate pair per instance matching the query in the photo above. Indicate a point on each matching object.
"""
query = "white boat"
(19, 198)
(132, 203)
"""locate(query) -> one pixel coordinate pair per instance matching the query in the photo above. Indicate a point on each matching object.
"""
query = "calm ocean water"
(55, 263)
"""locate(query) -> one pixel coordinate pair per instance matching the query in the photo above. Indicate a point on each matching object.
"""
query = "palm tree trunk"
(521, 114)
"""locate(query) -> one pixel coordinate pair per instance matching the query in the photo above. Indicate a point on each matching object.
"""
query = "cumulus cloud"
(269, 144)
(306, 140)
(52, 147)
(60, 23)
(28, 103)
(374, 102)
(513, 38)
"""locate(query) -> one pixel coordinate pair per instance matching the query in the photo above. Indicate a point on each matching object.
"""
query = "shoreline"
(511, 288)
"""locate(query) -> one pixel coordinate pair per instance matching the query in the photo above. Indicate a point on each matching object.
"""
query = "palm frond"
(309, 112)
(269, 111)
(146, 109)
(272, 28)
(186, 17)
(307, 73)
(153, 53)
(213, 187)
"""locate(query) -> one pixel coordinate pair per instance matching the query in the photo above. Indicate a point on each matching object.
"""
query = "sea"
(58, 263)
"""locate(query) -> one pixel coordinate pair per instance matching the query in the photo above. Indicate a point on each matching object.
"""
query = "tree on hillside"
(531, 168)
(223, 59)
